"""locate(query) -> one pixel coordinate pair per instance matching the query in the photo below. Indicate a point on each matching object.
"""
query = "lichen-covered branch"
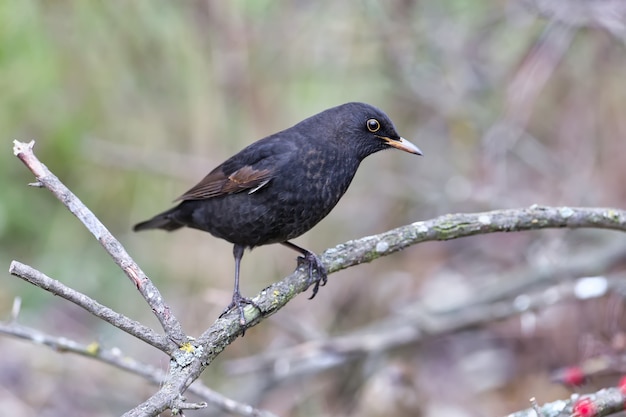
(454, 226)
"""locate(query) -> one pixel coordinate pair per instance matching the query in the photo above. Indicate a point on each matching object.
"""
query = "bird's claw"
(314, 263)
(239, 301)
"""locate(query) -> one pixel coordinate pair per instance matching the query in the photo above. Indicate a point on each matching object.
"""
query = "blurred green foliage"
(196, 78)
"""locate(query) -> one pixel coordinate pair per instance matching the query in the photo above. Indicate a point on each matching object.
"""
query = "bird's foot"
(314, 263)
(239, 302)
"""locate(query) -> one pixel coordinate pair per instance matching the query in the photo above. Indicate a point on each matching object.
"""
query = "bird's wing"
(249, 170)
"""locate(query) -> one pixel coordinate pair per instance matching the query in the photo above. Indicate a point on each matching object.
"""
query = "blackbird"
(281, 186)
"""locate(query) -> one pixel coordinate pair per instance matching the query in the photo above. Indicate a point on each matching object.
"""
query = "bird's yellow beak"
(402, 144)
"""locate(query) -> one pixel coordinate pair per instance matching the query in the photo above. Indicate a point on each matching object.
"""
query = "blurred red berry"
(622, 385)
(573, 376)
(584, 408)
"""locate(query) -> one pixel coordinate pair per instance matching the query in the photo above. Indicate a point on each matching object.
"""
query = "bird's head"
(368, 129)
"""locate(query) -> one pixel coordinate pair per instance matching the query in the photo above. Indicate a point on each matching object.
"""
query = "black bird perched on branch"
(281, 186)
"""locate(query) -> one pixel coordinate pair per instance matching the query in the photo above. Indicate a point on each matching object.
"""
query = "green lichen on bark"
(450, 229)
(613, 216)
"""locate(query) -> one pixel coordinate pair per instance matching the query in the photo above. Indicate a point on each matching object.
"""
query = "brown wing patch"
(244, 179)
(217, 183)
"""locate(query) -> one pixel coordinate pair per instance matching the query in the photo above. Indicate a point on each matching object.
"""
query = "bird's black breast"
(300, 194)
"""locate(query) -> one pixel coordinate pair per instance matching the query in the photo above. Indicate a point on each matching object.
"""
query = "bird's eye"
(373, 125)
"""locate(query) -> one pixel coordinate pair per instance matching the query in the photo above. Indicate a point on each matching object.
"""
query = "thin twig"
(118, 320)
(225, 403)
(602, 403)
(116, 358)
(112, 357)
(171, 326)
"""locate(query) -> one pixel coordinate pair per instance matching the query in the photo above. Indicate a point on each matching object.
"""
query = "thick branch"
(173, 329)
(454, 226)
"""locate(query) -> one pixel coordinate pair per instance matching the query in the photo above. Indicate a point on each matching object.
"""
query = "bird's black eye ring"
(373, 125)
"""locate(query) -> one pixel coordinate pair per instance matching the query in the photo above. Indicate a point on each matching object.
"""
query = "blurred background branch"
(115, 357)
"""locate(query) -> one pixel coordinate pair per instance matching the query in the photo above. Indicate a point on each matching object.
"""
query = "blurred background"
(514, 103)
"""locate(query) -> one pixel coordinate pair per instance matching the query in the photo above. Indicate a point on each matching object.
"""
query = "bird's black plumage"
(281, 186)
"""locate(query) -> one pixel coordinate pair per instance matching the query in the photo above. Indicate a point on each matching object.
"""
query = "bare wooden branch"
(454, 226)
(227, 404)
(173, 329)
(118, 320)
(605, 402)
(113, 357)
(116, 358)
(191, 358)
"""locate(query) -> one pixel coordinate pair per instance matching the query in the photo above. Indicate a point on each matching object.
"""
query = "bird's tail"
(165, 221)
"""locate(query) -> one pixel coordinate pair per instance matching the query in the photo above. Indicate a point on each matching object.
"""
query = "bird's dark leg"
(314, 262)
(238, 299)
